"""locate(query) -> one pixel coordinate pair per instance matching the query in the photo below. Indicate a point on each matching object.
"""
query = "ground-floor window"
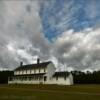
(28, 78)
(65, 78)
(56, 78)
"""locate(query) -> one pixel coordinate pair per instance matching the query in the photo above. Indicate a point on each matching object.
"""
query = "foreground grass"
(49, 92)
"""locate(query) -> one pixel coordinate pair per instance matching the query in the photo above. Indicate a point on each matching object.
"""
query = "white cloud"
(20, 30)
(21, 39)
(79, 50)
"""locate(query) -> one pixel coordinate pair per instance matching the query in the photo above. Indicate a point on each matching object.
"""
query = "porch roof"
(38, 74)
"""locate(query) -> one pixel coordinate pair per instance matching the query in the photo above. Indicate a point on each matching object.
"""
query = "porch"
(27, 79)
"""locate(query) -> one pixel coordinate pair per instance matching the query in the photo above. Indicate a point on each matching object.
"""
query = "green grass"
(49, 92)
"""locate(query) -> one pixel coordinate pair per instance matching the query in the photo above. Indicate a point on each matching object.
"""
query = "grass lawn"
(49, 92)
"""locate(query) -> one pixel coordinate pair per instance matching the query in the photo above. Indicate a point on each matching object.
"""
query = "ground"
(49, 92)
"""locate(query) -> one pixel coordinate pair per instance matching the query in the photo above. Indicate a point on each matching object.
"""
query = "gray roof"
(61, 74)
(33, 66)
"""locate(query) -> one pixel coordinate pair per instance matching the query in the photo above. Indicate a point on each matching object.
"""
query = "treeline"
(4, 76)
(86, 78)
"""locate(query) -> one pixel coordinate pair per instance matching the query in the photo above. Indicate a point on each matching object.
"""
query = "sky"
(65, 32)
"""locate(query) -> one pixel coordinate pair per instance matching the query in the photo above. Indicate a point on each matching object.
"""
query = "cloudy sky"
(66, 32)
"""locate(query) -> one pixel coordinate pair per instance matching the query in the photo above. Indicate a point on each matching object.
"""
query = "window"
(39, 70)
(26, 71)
(30, 71)
(23, 78)
(30, 78)
(56, 78)
(64, 77)
(44, 70)
(34, 70)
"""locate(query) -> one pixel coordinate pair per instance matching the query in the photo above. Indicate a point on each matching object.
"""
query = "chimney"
(21, 64)
(38, 61)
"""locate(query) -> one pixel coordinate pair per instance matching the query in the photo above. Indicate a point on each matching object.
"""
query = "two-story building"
(40, 73)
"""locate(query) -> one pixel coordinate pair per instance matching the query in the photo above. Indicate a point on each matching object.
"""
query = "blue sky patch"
(58, 16)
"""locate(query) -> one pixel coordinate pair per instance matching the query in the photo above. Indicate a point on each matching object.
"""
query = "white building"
(40, 73)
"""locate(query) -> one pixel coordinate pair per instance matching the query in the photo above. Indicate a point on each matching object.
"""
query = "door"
(45, 78)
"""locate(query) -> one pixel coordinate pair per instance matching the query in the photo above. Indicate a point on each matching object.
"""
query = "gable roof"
(61, 74)
(32, 66)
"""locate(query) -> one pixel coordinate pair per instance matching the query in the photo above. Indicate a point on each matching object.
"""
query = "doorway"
(45, 78)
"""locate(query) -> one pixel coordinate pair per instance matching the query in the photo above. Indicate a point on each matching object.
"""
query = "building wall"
(24, 72)
(21, 72)
(50, 72)
(15, 72)
(71, 79)
(63, 81)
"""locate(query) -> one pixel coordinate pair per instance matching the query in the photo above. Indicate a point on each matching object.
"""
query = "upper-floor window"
(19, 72)
(26, 71)
(30, 71)
(39, 70)
(34, 70)
(44, 70)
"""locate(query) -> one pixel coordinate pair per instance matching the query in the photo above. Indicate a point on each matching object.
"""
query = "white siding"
(50, 70)
(15, 72)
(21, 72)
(28, 72)
(63, 81)
(24, 71)
(36, 70)
(32, 71)
(42, 70)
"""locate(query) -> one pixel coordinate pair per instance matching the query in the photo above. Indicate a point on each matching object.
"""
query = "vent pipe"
(38, 61)
(21, 64)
